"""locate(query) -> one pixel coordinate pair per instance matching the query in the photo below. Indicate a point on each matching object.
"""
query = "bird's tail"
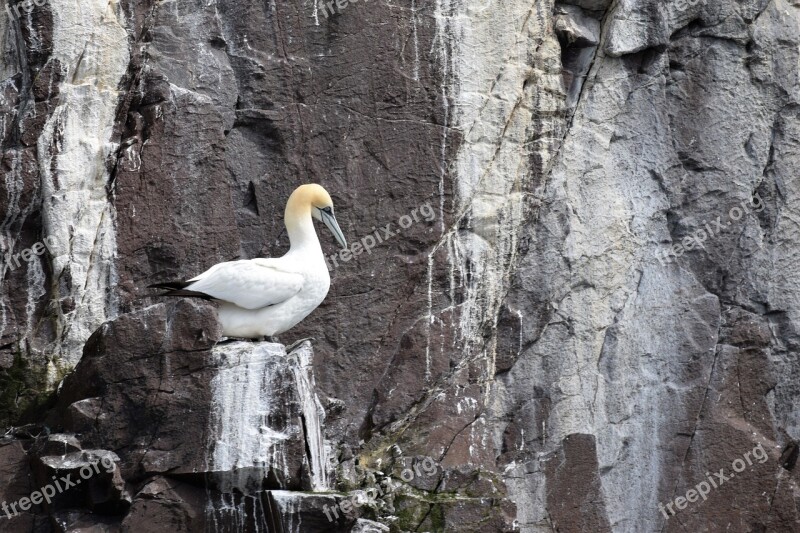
(178, 288)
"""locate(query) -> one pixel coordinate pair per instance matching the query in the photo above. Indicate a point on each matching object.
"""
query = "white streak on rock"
(36, 289)
(90, 44)
(243, 395)
(492, 106)
(256, 388)
(313, 414)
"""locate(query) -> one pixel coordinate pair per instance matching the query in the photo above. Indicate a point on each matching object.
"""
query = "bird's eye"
(327, 210)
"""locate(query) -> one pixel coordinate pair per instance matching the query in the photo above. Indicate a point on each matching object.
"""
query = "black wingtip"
(177, 288)
(187, 294)
(170, 285)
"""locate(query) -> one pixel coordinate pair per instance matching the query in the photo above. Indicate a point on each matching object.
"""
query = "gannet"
(265, 297)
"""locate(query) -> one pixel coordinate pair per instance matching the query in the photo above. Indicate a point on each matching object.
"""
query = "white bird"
(265, 297)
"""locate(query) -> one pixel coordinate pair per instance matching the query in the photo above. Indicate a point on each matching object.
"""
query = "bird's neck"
(302, 236)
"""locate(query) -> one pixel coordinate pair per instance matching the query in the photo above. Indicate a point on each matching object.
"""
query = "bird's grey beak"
(330, 221)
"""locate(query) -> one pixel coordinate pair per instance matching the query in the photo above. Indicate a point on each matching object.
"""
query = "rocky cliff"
(580, 312)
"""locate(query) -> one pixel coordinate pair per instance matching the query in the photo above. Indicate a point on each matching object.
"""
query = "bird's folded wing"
(247, 284)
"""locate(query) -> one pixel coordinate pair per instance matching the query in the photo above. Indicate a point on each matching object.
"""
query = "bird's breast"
(318, 281)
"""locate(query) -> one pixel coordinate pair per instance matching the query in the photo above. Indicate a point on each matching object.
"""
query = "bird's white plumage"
(238, 321)
(249, 284)
(265, 297)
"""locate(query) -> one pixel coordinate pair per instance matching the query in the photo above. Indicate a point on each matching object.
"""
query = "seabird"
(265, 297)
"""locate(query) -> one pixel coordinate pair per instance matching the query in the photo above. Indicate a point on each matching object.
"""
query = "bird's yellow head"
(312, 199)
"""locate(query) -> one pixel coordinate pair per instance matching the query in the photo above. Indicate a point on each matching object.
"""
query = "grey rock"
(579, 35)
(84, 522)
(61, 444)
(590, 5)
(294, 512)
(369, 526)
(165, 504)
(88, 478)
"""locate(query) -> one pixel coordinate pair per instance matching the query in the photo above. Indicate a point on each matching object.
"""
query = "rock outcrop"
(223, 436)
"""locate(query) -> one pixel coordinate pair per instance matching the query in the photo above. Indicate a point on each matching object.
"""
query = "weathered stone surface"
(16, 481)
(265, 423)
(224, 420)
(166, 505)
(574, 488)
(61, 444)
(559, 320)
(294, 512)
(87, 479)
(84, 522)
(636, 349)
(368, 526)
(143, 387)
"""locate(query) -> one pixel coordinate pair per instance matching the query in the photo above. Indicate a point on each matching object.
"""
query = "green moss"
(62, 370)
(372, 458)
(413, 510)
(410, 508)
(344, 484)
(22, 390)
(409, 512)
(437, 518)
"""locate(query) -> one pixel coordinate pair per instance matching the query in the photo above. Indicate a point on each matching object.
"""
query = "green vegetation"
(22, 390)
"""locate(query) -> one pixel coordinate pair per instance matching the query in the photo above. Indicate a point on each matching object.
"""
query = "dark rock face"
(164, 504)
(143, 393)
(582, 299)
(17, 483)
(209, 435)
(89, 478)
